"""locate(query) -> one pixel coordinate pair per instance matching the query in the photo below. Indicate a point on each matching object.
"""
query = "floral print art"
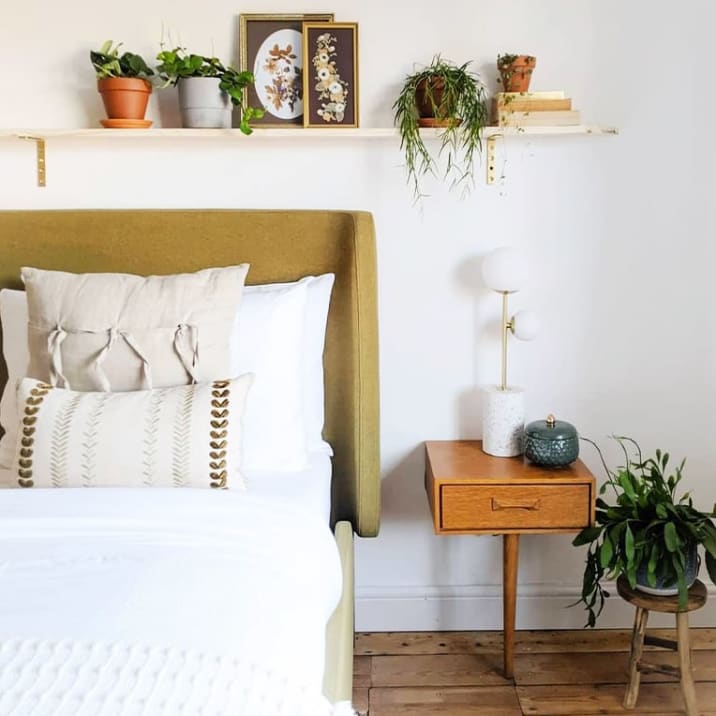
(331, 89)
(286, 86)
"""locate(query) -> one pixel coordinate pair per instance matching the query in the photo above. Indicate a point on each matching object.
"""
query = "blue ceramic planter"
(661, 589)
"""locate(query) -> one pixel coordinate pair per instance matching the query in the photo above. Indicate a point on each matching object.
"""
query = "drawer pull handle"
(499, 505)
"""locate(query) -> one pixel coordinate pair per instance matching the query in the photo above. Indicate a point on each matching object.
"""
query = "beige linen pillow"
(186, 436)
(124, 332)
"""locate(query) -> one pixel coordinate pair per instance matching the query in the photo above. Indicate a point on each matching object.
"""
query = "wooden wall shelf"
(297, 132)
(490, 134)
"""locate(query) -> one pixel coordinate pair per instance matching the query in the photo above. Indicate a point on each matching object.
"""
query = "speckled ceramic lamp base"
(503, 421)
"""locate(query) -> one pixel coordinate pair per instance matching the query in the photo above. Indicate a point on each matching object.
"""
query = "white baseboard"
(539, 606)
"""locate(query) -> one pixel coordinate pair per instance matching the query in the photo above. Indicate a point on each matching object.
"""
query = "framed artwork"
(270, 46)
(330, 77)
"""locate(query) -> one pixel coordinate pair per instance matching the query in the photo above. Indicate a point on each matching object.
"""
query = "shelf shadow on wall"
(403, 490)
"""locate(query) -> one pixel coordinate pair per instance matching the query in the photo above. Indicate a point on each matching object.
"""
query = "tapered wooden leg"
(510, 561)
(637, 646)
(687, 679)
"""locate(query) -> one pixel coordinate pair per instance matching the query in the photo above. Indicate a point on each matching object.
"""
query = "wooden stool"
(645, 603)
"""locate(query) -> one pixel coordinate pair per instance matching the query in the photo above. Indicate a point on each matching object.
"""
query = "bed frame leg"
(340, 632)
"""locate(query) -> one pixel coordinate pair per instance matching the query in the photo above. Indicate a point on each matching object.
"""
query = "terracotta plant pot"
(124, 97)
(429, 115)
(516, 75)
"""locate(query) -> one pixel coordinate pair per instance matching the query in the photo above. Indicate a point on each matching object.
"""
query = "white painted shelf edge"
(297, 132)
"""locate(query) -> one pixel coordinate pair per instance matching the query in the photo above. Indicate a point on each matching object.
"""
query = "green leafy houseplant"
(647, 531)
(107, 62)
(452, 98)
(175, 65)
(123, 82)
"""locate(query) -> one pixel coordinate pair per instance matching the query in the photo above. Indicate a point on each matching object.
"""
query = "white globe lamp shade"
(505, 270)
(526, 325)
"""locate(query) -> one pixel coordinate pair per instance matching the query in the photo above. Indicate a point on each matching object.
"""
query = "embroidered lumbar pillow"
(117, 332)
(186, 436)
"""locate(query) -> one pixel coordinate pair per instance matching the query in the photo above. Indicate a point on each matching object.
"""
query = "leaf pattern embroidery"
(60, 441)
(218, 434)
(151, 433)
(90, 438)
(181, 438)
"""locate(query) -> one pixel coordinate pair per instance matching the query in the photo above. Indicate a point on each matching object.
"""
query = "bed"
(280, 246)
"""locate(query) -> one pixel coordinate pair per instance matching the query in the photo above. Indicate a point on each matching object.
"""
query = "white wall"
(620, 233)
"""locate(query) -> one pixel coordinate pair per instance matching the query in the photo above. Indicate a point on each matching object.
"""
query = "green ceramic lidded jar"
(551, 442)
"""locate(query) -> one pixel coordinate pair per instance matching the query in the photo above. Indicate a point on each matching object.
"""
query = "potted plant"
(207, 89)
(123, 82)
(646, 533)
(515, 71)
(451, 98)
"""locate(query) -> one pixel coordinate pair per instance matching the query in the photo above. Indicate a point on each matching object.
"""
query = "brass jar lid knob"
(551, 420)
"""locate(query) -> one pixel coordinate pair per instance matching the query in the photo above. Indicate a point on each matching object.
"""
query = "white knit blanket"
(95, 679)
(162, 602)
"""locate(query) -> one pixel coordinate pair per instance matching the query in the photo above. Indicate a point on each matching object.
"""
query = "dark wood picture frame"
(330, 74)
(279, 82)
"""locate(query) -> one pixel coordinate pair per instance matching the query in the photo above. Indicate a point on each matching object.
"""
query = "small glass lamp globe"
(526, 325)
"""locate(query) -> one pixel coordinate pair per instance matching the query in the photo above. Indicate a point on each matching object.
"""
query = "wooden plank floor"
(557, 673)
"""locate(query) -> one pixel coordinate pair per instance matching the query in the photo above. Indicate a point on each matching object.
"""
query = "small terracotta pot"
(430, 116)
(517, 75)
(124, 97)
(422, 97)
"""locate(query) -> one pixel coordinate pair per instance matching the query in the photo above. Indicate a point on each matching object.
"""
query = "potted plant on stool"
(123, 82)
(647, 534)
(451, 98)
(207, 89)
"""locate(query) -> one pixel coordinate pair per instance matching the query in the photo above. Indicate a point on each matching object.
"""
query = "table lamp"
(505, 271)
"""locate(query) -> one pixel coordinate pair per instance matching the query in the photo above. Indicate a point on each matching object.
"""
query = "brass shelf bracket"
(40, 155)
(492, 157)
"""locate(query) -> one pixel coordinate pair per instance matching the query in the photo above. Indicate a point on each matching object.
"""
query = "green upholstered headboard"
(280, 246)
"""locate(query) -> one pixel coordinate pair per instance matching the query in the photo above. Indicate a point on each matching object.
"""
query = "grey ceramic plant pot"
(203, 105)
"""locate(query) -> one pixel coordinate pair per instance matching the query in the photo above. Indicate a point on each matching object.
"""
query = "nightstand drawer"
(485, 507)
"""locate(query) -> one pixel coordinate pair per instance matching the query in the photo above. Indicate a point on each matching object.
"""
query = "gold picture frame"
(278, 86)
(330, 86)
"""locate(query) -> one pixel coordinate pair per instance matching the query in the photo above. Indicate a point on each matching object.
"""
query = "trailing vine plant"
(456, 96)
(176, 64)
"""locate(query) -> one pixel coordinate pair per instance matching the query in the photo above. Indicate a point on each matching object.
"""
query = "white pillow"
(272, 451)
(185, 436)
(319, 299)
(267, 341)
(314, 339)
(13, 318)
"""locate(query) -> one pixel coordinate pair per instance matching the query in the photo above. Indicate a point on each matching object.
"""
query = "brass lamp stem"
(505, 327)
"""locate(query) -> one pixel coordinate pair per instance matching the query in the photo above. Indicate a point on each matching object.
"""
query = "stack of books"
(533, 109)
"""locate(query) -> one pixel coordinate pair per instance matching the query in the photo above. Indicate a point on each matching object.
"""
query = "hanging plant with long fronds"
(457, 98)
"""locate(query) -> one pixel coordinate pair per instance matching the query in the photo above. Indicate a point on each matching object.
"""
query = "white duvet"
(162, 602)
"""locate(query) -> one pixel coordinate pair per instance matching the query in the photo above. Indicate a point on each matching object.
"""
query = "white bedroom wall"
(619, 231)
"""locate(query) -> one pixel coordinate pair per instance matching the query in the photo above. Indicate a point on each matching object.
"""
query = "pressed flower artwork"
(331, 74)
(332, 91)
(278, 75)
(272, 48)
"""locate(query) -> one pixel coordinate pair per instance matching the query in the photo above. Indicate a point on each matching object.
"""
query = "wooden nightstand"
(471, 492)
